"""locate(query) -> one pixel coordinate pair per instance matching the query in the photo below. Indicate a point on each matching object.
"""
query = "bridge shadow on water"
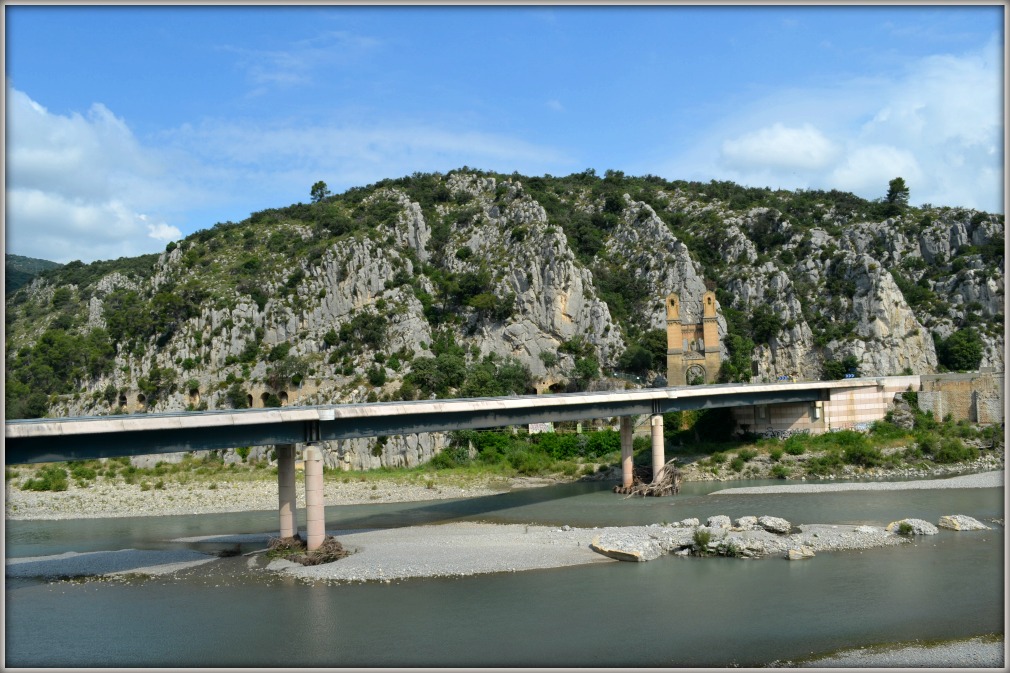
(397, 515)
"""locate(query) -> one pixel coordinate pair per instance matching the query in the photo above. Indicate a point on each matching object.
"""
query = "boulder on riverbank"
(800, 553)
(961, 522)
(912, 527)
(748, 539)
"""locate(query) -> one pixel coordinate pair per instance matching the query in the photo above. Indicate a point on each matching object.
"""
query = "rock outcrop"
(549, 271)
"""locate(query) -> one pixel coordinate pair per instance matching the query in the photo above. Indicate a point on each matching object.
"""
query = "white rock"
(799, 553)
(919, 527)
(774, 524)
(961, 522)
(747, 523)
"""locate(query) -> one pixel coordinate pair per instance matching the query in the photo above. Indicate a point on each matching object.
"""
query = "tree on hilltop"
(897, 197)
(319, 192)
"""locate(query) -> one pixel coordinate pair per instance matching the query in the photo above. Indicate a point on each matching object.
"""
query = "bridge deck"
(57, 439)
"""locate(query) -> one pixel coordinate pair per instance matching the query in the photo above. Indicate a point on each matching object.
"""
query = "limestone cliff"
(352, 298)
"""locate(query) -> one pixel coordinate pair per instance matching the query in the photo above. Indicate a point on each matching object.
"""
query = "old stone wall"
(975, 397)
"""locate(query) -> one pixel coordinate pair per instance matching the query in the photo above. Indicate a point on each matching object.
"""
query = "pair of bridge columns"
(312, 458)
(627, 449)
(315, 520)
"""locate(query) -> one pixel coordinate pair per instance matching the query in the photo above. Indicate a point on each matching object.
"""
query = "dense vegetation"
(55, 348)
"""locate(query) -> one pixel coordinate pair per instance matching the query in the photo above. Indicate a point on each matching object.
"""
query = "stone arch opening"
(122, 400)
(263, 399)
(283, 397)
(249, 400)
(695, 375)
(141, 400)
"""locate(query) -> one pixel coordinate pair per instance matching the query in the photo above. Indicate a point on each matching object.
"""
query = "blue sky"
(128, 127)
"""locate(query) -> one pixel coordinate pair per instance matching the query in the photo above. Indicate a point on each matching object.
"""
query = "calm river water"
(668, 612)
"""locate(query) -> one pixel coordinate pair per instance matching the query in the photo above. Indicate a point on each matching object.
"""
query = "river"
(668, 612)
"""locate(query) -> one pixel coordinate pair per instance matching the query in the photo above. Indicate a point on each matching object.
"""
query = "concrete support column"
(658, 459)
(288, 504)
(315, 522)
(627, 450)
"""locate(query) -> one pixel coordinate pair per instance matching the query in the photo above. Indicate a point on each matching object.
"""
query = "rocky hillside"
(476, 283)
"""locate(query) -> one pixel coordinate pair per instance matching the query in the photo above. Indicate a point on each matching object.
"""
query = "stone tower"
(693, 351)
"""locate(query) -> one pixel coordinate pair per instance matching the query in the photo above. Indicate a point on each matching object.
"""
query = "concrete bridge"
(804, 406)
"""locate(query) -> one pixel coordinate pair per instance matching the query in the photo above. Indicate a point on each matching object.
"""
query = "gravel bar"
(452, 550)
(981, 652)
(980, 480)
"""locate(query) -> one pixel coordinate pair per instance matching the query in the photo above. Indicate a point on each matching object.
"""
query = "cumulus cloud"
(865, 168)
(161, 231)
(82, 186)
(77, 185)
(938, 124)
(781, 147)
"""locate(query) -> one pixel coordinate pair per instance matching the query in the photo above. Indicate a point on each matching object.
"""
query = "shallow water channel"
(668, 612)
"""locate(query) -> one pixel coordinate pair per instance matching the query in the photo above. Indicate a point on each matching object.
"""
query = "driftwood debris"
(642, 484)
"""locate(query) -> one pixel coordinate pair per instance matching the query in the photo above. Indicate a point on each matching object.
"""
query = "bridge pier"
(627, 451)
(315, 520)
(658, 458)
(288, 505)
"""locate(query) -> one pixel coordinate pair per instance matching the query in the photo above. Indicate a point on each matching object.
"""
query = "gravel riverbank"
(980, 480)
(981, 652)
(103, 500)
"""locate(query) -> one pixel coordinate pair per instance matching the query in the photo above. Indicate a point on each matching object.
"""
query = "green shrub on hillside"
(953, 450)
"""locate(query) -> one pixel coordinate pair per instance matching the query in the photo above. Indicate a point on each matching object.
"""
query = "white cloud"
(939, 125)
(781, 147)
(161, 231)
(84, 187)
(865, 168)
(555, 105)
(77, 185)
(296, 64)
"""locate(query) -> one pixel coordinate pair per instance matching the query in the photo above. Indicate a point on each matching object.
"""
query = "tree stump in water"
(641, 483)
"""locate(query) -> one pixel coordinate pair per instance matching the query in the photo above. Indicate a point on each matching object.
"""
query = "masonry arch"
(696, 375)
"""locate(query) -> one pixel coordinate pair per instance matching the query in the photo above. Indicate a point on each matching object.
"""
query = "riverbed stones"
(961, 522)
(627, 548)
(747, 523)
(919, 527)
(688, 523)
(774, 524)
(799, 553)
(719, 521)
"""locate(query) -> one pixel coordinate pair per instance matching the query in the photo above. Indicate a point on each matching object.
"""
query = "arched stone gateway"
(692, 350)
(695, 375)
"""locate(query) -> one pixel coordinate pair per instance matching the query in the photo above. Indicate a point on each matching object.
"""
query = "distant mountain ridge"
(19, 271)
(479, 283)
